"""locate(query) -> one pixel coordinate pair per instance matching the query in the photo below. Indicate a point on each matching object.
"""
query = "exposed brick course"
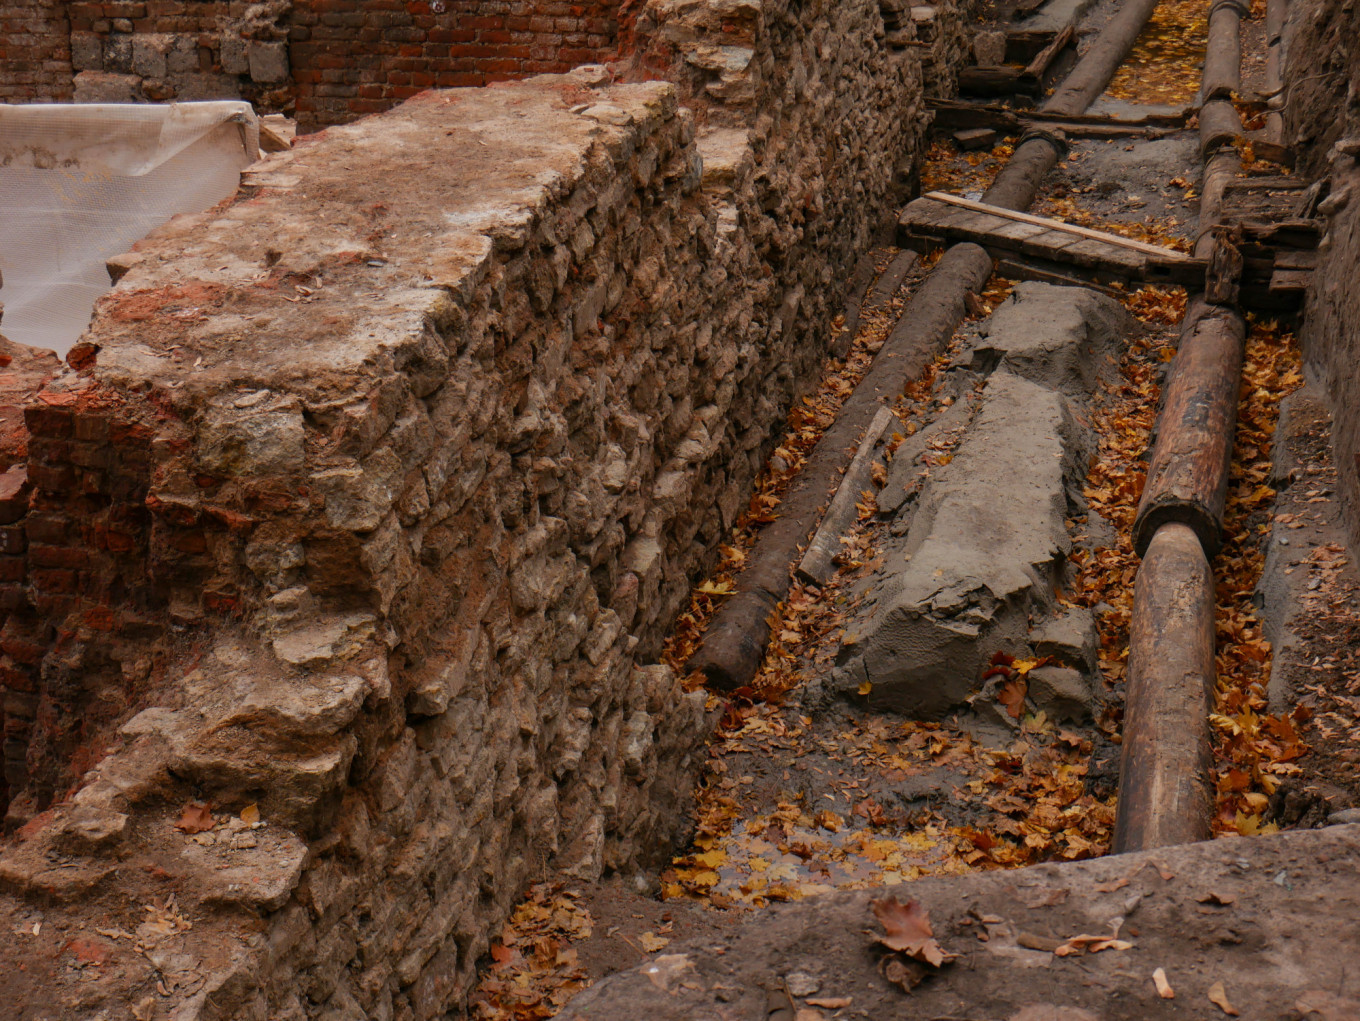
(326, 61)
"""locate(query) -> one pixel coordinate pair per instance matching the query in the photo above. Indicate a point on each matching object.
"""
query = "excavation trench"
(979, 636)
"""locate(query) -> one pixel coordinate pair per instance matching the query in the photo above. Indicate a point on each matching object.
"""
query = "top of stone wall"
(327, 266)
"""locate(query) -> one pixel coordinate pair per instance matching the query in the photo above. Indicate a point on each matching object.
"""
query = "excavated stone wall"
(368, 499)
(1322, 109)
(326, 61)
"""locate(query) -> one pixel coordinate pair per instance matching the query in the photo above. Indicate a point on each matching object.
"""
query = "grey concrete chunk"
(1060, 337)
(980, 558)
(905, 468)
(1071, 639)
(1064, 694)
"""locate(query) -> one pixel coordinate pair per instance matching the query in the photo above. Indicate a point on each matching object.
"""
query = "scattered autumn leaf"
(1218, 996)
(1012, 696)
(1164, 989)
(1219, 899)
(195, 817)
(907, 930)
(651, 942)
(1088, 944)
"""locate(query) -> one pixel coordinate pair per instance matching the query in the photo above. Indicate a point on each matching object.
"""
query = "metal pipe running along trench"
(1165, 782)
(734, 644)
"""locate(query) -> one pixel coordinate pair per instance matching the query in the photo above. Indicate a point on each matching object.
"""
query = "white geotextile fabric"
(82, 183)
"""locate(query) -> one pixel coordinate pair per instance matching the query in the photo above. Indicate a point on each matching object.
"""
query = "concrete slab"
(980, 558)
(985, 534)
(1062, 338)
(1269, 919)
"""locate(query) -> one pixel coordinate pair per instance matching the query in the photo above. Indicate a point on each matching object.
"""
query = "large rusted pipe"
(1187, 481)
(1165, 794)
(1018, 181)
(1223, 56)
(1164, 791)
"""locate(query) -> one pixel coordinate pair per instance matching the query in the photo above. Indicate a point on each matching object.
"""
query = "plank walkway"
(938, 218)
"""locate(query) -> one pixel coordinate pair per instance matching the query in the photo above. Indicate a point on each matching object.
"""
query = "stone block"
(1066, 695)
(234, 56)
(87, 52)
(989, 48)
(268, 61)
(148, 54)
(105, 87)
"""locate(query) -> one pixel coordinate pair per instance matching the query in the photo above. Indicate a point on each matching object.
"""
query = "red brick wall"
(35, 51)
(353, 57)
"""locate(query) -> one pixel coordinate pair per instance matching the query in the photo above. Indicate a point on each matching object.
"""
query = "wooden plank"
(1295, 259)
(1020, 231)
(1017, 268)
(1128, 263)
(996, 81)
(819, 562)
(1038, 67)
(1096, 235)
(1290, 281)
(1158, 120)
(1023, 44)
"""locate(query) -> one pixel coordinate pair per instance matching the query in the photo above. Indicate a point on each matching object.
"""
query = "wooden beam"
(1167, 254)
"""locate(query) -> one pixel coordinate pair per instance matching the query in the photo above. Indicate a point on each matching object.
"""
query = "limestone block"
(118, 54)
(107, 87)
(252, 434)
(87, 52)
(268, 61)
(148, 54)
(989, 48)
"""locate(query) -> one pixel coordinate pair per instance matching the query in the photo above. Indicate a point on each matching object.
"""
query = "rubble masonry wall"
(1322, 108)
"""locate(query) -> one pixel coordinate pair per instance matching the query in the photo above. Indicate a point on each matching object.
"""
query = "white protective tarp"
(81, 183)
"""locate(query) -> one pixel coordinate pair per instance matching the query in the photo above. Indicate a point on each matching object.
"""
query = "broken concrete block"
(1064, 694)
(975, 138)
(1071, 639)
(980, 559)
(268, 61)
(1060, 337)
(989, 48)
(905, 470)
